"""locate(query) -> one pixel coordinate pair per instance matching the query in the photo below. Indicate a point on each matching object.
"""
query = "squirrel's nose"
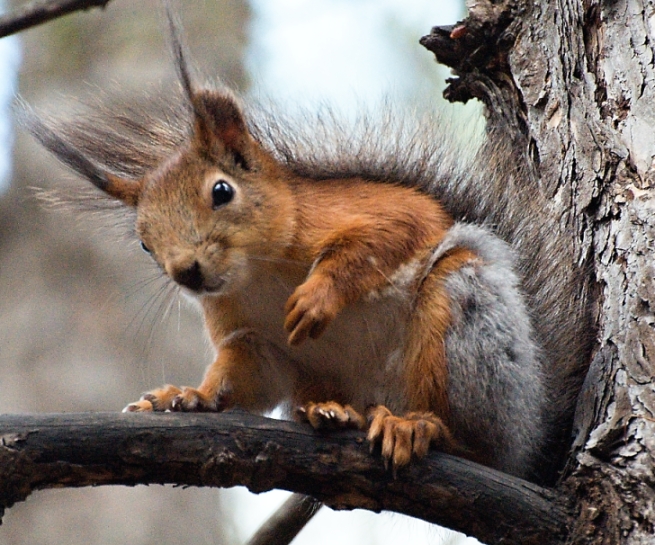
(188, 276)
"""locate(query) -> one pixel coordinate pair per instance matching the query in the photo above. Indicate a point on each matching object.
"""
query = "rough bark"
(574, 82)
(46, 451)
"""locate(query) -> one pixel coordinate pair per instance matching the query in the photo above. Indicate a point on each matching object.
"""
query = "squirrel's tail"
(507, 196)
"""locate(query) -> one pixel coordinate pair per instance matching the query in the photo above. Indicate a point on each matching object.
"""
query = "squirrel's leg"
(241, 375)
(354, 262)
(425, 373)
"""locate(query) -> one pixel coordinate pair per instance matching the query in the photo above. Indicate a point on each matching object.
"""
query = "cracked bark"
(580, 80)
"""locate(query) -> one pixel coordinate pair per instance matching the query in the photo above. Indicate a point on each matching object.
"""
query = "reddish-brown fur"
(425, 357)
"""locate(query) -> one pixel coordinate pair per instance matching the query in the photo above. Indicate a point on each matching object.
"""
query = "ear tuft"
(218, 119)
(56, 143)
(179, 51)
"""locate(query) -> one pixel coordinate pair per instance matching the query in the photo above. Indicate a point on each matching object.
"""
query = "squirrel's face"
(216, 207)
(205, 224)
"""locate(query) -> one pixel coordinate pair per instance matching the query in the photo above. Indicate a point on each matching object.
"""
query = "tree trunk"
(574, 82)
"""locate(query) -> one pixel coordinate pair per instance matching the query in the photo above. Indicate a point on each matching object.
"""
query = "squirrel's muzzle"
(188, 276)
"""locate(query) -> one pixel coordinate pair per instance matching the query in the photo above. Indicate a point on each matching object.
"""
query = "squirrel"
(391, 287)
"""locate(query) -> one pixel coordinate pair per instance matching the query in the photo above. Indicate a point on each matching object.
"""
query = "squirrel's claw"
(400, 438)
(185, 399)
(141, 406)
(310, 309)
(331, 415)
(193, 400)
(158, 400)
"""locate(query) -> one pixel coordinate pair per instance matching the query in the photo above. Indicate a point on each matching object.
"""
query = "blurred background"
(85, 323)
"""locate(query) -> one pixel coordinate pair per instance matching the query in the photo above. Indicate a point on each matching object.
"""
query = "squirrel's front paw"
(402, 437)
(172, 398)
(331, 415)
(193, 400)
(311, 308)
(157, 400)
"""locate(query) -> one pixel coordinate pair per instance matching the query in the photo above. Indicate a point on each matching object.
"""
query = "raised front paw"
(401, 437)
(331, 415)
(311, 307)
(172, 398)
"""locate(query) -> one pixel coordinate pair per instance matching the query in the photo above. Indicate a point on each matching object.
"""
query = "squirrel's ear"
(218, 120)
(219, 124)
(55, 142)
(127, 191)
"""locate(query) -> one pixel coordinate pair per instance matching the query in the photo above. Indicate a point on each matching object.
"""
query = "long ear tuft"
(218, 120)
(179, 51)
(125, 190)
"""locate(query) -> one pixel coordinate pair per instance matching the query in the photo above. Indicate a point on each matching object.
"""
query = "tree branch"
(285, 524)
(236, 448)
(36, 13)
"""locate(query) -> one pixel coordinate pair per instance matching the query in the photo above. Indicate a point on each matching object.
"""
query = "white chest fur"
(361, 350)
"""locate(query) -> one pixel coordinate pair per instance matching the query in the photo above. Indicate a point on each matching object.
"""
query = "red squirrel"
(374, 287)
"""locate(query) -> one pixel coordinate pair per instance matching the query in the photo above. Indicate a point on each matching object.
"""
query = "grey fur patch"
(497, 385)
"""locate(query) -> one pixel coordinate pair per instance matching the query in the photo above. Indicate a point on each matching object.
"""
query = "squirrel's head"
(216, 203)
(213, 206)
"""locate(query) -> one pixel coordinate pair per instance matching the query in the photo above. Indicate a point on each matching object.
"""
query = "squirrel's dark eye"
(222, 193)
(144, 247)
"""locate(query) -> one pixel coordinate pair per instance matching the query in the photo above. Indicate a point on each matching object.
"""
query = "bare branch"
(283, 526)
(36, 13)
(235, 448)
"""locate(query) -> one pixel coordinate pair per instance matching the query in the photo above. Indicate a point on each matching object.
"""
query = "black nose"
(190, 277)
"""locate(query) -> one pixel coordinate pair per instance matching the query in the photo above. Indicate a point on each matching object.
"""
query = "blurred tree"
(82, 327)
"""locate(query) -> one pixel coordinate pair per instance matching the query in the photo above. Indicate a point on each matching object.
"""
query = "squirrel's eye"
(144, 247)
(222, 193)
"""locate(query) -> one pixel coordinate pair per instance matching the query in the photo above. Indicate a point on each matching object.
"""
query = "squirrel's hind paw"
(331, 415)
(400, 437)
